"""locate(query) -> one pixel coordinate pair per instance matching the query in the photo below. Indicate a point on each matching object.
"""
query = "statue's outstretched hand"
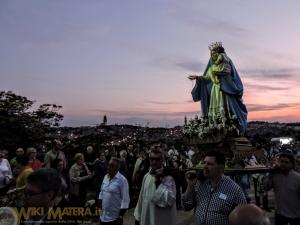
(193, 77)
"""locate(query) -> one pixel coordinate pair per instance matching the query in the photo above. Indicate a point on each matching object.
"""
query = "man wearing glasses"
(40, 192)
(156, 204)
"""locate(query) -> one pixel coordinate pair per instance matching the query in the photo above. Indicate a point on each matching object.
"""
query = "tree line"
(22, 122)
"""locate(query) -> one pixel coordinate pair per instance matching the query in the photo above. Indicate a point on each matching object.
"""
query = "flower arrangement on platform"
(205, 130)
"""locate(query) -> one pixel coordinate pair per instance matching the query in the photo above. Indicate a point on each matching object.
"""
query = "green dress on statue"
(217, 102)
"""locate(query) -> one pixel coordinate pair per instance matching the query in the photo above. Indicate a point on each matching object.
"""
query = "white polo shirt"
(115, 196)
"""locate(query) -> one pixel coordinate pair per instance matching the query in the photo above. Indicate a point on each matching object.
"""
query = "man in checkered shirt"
(215, 196)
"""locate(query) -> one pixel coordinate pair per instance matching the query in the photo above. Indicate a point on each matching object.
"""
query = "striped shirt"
(213, 205)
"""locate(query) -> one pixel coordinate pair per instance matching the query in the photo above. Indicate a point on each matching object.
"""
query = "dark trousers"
(282, 220)
(257, 197)
(116, 222)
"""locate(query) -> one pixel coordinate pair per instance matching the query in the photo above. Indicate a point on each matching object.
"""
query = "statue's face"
(214, 55)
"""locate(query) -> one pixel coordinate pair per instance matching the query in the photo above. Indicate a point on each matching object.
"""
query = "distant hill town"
(268, 130)
(257, 132)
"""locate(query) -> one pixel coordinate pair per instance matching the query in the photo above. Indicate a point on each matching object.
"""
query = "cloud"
(52, 23)
(131, 117)
(167, 103)
(267, 74)
(199, 15)
(225, 26)
(260, 107)
(174, 61)
(143, 114)
(169, 119)
(218, 26)
(265, 87)
(191, 65)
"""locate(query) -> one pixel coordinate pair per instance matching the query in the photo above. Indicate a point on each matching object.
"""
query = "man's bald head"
(248, 214)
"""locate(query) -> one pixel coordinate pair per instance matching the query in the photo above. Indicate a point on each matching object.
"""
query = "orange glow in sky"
(130, 59)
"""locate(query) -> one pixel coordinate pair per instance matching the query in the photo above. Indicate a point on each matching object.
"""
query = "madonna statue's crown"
(215, 45)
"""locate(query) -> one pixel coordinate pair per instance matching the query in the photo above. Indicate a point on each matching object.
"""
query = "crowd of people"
(155, 179)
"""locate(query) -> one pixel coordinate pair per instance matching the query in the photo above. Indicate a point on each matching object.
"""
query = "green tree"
(21, 125)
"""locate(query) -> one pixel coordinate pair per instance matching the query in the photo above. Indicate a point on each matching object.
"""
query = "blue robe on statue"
(232, 88)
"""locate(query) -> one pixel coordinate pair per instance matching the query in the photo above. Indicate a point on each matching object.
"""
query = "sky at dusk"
(129, 59)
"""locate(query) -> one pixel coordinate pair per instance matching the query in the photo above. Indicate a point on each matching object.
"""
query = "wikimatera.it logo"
(14, 216)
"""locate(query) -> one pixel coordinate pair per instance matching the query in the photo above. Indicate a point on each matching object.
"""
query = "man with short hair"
(114, 195)
(286, 184)
(13, 161)
(215, 196)
(90, 158)
(157, 199)
(40, 192)
(55, 153)
(248, 214)
(42, 187)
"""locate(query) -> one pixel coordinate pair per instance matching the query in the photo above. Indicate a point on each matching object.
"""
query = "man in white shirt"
(114, 195)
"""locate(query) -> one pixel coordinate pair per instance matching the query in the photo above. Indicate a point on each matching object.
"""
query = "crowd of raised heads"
(77, 179)
(83, 172)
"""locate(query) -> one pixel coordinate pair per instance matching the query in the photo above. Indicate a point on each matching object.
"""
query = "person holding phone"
(215, 196)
